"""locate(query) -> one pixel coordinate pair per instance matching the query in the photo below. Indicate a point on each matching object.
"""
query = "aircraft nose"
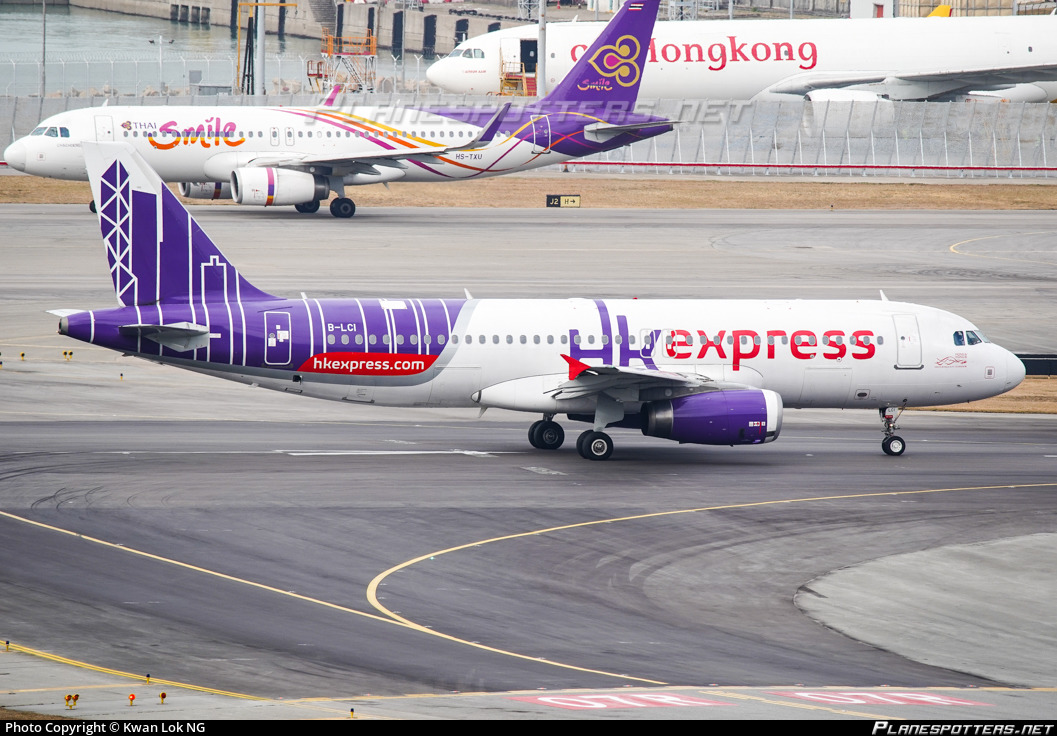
(439, 74)
(432, 74)
(15, 156)
(1015, 370)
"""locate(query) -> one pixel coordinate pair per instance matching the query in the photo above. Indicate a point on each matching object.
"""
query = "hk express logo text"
(717, 55)
(208, 134)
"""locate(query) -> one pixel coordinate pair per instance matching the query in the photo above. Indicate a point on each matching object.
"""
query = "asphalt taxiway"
(248, 542)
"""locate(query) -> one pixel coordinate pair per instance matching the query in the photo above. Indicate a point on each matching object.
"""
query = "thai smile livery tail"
(610, 71)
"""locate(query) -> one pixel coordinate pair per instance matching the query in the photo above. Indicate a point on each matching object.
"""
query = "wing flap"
(918, 85)
(587, 380)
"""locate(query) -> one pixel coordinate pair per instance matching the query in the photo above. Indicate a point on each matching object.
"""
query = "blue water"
(100, 52)
(74, 32)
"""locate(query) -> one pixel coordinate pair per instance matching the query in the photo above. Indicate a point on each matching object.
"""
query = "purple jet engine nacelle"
(739, 417)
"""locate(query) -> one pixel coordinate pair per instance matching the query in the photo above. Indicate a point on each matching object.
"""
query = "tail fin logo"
(619, 61)
(115, 220)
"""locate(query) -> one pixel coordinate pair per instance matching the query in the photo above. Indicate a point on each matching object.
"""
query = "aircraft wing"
(920, 85)
(586, 380)
(389, 159)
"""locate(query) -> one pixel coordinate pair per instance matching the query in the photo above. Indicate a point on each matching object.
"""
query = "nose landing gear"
(892, 444)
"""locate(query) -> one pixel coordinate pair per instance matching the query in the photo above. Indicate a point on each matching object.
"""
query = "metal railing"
(956, 139)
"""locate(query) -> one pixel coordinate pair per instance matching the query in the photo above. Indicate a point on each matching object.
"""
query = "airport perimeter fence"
(863, 139)
(135, 74)
(981, 139)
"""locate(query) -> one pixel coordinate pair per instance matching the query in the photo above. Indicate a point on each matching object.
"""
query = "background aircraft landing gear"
(307, 208)
(594, 445)
(343, 207)
(892, 444)
(546, 435)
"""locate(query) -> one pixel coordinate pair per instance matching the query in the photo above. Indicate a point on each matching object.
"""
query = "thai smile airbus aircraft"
(693, 371)
(290, 155)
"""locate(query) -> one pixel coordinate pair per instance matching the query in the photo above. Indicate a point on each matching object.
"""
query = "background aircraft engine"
(267, 186)
(205, 190)
(736, 417)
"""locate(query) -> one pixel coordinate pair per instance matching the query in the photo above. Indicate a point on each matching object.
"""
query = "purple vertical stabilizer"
(610, 71)
(157, 252)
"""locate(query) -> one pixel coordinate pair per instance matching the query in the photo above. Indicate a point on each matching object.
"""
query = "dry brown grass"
(1036, 395)
(6, 714)
(641, 193)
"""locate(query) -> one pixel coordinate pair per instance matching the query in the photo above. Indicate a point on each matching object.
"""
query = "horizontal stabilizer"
(602, 132)
(64, 312)
(179, 336)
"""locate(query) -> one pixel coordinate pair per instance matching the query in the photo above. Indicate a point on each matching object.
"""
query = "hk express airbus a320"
(297, 156)
(693, 371)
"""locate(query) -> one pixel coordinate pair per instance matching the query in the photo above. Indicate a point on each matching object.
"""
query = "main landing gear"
(547, 434)
(594, 445)
(341, 207)
(892, 444)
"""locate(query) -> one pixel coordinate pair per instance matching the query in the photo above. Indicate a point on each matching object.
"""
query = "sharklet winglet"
(334, 92)
(576, 367)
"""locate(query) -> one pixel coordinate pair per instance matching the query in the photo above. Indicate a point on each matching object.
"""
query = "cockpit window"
(52, 132)
(64, 132)
(38, 131)
(975, 338)
(478, 53)
(455, 52)
(959, 338)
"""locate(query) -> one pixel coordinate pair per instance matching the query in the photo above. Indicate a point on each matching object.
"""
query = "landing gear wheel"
(532, 434)
(893, 445)
(594, 445)
(307, 208)
(343, 207)
(547, 435)
(91, 206)
(580, 443)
